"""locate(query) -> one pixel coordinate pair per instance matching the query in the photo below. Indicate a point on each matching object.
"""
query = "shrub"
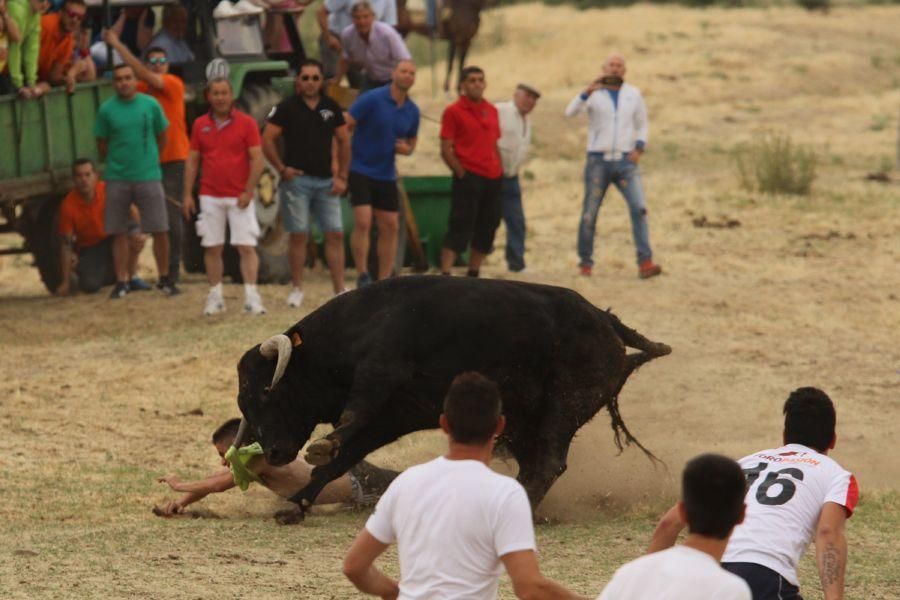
(775, 165)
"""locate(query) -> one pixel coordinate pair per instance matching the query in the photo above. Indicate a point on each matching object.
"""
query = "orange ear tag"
(295, 339)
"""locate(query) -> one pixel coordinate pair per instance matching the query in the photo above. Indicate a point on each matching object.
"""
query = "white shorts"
(215, 212)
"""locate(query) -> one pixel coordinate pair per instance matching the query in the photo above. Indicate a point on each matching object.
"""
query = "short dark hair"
(712, 489)
(78, 2)
(155, 50)
(121, 66)
(809, 418)
(464, 74)
(227, 431)
(310, 62)
(81, 162)
(472, 407)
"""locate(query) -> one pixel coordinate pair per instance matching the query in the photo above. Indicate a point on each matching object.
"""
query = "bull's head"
(270, 407)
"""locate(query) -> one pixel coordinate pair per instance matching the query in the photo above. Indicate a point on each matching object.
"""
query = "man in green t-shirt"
(130, 131)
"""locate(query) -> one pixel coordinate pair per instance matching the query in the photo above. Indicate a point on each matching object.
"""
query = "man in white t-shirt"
(456, 523)
(712, 504)
(795, 494)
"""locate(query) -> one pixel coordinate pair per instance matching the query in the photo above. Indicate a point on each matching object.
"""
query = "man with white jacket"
(617, 136)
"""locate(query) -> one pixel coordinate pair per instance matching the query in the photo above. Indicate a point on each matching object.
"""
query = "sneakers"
(225, 10)
(649, 269)
(295, 298)
(120, 290)
(215, 304)
(363, 280)
(586, 270)
(139, 285)
(245, 7)
(167, 286)
(253, 304)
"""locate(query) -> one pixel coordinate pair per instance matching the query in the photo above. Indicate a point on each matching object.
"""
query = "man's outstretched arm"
(527, 580)
(195, 490)
(667, 530)
(831, 550)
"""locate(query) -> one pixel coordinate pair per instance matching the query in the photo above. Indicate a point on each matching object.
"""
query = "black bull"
(377, 362)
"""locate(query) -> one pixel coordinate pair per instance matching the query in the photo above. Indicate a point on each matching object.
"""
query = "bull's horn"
(239, 438)
(277, 346)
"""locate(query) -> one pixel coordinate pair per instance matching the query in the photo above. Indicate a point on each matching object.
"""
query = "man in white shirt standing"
(712, 503)
(617, 136)
(515, 140)
(456, 523)
(795, 494)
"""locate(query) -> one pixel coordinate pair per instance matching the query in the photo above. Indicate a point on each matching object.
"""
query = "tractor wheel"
(41, 219)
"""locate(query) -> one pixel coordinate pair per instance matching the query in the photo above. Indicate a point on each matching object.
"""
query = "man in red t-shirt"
(227, 146)
(85, 244)
(168, 89)
(470, 130)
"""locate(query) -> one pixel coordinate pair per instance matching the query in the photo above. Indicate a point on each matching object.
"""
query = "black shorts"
(765, 584)
(475, 213)
(381, 195)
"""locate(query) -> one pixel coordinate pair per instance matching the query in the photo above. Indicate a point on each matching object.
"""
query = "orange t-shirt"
(82, 219)
(56, 46)
(171, 98)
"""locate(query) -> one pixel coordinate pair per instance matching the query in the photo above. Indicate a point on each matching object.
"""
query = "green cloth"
(238, 458)
(23, 55)
(130, 128)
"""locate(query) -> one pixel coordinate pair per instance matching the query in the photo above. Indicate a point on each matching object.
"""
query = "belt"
(609, 156)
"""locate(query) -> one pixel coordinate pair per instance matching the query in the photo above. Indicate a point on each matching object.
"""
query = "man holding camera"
(617, 135)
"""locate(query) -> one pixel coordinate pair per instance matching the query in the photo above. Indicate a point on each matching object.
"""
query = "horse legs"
(451, 52)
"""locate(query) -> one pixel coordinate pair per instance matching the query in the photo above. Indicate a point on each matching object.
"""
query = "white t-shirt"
(452, 521)
(786, 489)
(679, 573)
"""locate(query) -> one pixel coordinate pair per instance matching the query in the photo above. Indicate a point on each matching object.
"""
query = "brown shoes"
(649, 269)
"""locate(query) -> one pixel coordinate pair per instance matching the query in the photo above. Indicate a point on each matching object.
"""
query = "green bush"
(775, 165)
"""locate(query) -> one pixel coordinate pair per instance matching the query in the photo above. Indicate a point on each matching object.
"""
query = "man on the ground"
(795, 494)
(457, 513)
(130, 129)
(333, 17)
(384, 122)
(310, 122)
(374, 46)
(617, 137)
(85, 245)
(168, 89)
(712, 504)
(470, 130)
(515, 140)
(227, 149)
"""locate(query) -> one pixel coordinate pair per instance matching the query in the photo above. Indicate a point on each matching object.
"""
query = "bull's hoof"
(291, 516)
(321, 452)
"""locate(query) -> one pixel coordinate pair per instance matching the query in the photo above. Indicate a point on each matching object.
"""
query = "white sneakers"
(253, 303)
(226, 10)
(215, 304)
(295, 298)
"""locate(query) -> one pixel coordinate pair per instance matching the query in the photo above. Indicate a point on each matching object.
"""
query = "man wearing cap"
(515, 139)
(617, 136)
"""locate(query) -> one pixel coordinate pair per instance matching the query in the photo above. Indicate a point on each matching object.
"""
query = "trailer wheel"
(42, 217)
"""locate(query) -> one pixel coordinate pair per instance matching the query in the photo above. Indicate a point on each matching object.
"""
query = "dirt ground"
(99, 397)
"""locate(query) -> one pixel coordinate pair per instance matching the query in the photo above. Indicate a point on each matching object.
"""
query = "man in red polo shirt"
(470, 130)
(168, 89)
(85, 246)
(226, 143)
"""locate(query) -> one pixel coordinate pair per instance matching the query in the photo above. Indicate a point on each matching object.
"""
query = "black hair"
(464, 74)
(472, 407)
(78, 2)
(82, 161)
(155, 50)
(311, 62)
(121, 66)
(712, 489)
(809, 418)
(227, 431)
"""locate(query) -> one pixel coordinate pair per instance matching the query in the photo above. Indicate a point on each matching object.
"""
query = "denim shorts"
(304, 194)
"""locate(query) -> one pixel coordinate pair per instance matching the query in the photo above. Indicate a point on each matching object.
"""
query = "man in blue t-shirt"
(385, 122)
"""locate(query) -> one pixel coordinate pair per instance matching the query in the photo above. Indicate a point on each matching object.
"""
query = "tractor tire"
(192, 250)
(257, 100)
(41, 219)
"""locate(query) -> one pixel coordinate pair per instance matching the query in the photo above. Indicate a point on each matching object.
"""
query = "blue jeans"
(304, 194)
(514, 218)
(598, 174)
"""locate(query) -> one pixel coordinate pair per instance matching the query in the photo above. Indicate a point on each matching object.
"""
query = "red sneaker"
(649, 269)
(585, 270)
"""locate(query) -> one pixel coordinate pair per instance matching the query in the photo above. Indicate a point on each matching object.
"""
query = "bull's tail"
(648, 351)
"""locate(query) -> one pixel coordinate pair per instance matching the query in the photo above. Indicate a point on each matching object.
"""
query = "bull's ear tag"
(295, 339)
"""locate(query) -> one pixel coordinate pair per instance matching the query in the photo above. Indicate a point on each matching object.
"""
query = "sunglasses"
(74, 14)
(159, 60)
(310, 78)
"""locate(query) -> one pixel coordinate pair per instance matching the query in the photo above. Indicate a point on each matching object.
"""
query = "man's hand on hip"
(244, 199)
(289, 173)
(635, 156)
(338, 185)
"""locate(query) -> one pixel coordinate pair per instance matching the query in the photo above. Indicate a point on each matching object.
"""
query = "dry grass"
(804, 292)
